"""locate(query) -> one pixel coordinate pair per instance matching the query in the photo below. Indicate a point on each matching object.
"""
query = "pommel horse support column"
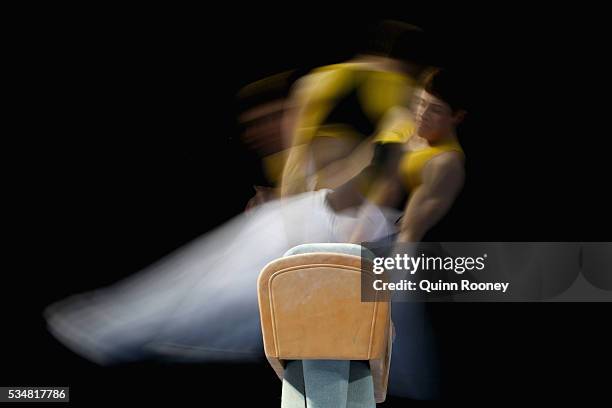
(310, 308)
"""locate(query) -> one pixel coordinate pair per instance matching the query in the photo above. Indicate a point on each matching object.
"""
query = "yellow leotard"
(349, 100)
(412, 163)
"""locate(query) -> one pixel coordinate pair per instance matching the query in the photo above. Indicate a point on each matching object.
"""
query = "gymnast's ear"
(459, 116)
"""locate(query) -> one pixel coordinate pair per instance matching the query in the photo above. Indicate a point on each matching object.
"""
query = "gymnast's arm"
(385, 189)
(442, 180)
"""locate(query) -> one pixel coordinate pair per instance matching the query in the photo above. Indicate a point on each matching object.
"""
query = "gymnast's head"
(439, 105)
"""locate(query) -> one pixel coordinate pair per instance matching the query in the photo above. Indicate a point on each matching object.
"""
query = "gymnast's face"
(434, 117)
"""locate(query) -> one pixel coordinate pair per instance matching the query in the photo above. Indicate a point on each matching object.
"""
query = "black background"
(122, 145)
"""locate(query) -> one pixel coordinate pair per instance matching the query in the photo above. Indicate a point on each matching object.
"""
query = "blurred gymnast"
(199, 304)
